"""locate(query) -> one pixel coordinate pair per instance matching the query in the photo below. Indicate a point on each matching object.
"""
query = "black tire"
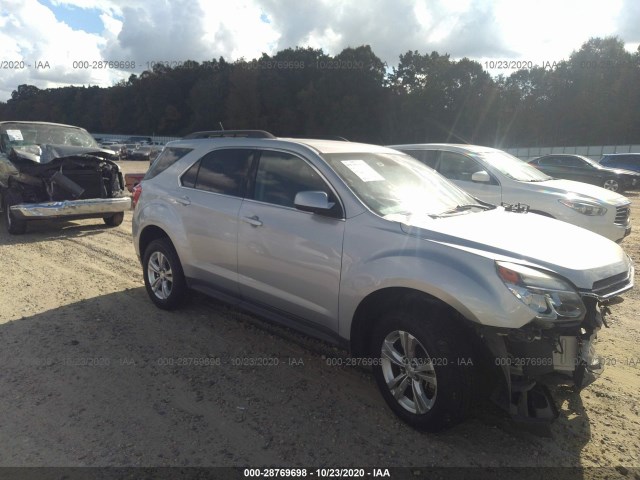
(169, 293)
(114, 220)
(13, 225)
(444, 350)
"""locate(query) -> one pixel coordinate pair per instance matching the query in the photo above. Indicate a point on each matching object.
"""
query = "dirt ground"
(94, 375)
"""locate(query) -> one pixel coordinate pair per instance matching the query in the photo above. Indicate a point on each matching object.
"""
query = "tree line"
(593, 98)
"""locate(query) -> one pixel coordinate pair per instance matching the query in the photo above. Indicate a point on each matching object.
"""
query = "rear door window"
(223, 171)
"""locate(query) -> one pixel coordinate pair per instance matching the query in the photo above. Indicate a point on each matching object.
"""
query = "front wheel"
(163, 275)
(424, 368)
(14, 226)
(612, 184)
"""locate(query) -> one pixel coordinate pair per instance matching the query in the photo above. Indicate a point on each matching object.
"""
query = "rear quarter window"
(167, 157)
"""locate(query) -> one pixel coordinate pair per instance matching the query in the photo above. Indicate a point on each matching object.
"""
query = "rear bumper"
(71, 208)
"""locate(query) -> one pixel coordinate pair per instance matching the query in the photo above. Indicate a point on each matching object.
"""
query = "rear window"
(167, 157)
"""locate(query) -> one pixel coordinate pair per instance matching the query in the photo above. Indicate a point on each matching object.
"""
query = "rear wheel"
(612, 184)
(163, 275)
(423, 368)
(14, 226)
(114, 220)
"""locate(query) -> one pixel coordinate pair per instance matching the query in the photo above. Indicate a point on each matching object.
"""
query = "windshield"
(593, 163)
(391, 184)
(20, 135)
(512, 167)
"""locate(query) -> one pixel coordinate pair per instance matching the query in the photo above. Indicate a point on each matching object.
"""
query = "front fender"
(462, 279)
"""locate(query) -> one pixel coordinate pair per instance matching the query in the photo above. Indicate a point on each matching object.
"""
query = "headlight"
(584, 207)
(548, 296)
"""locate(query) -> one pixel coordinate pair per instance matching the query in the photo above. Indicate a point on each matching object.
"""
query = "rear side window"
(167, 157)
(548, 161)
(428, 157)
(221, 171)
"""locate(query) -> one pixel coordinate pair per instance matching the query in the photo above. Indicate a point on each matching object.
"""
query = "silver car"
(448, 299)
(497, 177)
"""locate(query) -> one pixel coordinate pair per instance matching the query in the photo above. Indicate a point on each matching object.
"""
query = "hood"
(576, 254)
(565, 188)
(46, 153)
(622, 171)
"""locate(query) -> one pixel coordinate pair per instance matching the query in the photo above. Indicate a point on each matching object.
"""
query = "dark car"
(54, 171)
(628, 161)
(145, 152)
(583, 169)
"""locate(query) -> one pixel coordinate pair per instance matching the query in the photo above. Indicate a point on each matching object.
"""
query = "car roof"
(562, 155)
(26, 122)
(620, 154)
(451, 147)
(319, 145)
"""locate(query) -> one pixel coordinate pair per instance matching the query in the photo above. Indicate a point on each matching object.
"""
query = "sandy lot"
(94, 375)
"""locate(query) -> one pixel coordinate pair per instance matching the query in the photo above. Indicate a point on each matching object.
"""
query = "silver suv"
(496, 177)
(448, 298)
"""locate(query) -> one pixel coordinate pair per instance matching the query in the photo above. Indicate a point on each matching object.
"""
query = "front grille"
(613, 284)
(622, 215)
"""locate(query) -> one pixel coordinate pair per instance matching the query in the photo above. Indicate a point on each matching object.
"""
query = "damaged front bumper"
(92, 207)
(535, 356)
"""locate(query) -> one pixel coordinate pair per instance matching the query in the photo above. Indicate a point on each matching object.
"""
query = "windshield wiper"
(462, 208)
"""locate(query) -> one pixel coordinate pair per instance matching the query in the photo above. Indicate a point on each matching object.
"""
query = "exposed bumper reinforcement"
(71, 208)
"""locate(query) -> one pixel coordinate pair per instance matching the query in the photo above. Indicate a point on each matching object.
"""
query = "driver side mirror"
(313, 201)
(481, 177)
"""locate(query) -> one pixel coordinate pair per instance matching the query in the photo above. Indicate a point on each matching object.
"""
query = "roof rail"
(231, 133)
(323, 137)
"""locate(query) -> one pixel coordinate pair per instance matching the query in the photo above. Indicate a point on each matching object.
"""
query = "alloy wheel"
(611, 184)
(160, 275)
(408, 372)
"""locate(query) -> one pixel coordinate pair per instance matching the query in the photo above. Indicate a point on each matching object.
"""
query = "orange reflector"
(508, 275)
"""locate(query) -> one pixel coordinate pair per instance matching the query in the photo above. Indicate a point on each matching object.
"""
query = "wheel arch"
(374, 305)
(148, 235)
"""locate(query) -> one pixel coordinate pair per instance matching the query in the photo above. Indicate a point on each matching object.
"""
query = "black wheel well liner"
(376, 304)
(148, 235)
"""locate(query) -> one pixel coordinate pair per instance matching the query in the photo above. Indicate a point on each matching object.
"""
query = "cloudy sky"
(50, 43)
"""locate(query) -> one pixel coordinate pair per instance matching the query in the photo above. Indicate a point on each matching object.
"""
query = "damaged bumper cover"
(71, 208)
(552, 352)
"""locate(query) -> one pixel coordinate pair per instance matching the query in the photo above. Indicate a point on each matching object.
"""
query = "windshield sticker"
(15, 135)
(362, 170)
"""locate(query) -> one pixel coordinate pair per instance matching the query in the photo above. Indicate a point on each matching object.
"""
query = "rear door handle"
(183, 200)
(253, 221)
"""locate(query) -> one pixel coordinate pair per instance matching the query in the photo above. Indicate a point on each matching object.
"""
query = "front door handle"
(253, 221)
(183, 200)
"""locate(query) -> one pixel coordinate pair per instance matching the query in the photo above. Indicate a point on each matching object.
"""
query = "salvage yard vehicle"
(497, 177)
(449, 299)
(626, 161)
(583, 169)
(54, 171)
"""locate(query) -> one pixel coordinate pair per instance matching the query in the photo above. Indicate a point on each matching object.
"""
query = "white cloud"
(178, 30)
(29, 32)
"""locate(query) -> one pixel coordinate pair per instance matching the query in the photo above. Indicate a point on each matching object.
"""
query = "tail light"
(137, 190)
